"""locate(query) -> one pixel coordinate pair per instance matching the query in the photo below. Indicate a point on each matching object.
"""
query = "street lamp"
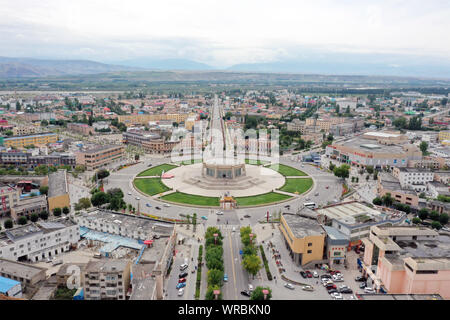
(216, 294)
(215, 237)
(251, 237)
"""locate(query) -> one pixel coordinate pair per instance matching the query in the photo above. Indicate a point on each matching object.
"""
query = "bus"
(310, 205)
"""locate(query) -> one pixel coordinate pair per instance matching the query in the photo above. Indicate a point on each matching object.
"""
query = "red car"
(330, 286)
(182, 280)
(309, 274)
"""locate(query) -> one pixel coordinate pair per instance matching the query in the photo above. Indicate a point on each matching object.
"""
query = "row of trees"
(9, 223)
(438, 220)
(251, 261)
(214, 262)
(113, 197)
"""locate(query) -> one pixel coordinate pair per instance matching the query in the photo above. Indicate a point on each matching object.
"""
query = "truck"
(57, 262)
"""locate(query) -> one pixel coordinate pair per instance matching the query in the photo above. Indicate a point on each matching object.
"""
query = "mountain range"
(326, 64)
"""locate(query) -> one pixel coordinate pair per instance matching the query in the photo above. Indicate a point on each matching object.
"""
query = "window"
(309, 251)
(310, 244)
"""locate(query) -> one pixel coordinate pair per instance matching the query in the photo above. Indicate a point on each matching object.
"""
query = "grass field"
(258, 162)
(157, 171)
(299, 185)
(151, 186)
(180, 197)
(287, 171)
(261, 199)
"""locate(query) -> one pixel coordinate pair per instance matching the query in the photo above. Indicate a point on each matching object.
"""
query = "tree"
(43, 190)
(8, 133)
(367, 177)
(369, 169)
(83, 203)
(44, 215)
(434, 215)
(22, 220)
(400, 123)
(416, 220)
(258, 294)
(136, 157)
(99, 199)
(423, 147)
(443, 218)
(215, 277)
(8, 224)
(57, 212)
(375, 175)
(377, 201)
(252, 263)
(103, 173)
(423, 214)
(34, 217)
(387, 199)
(44, 123)
(66, 210)
(331, 166)
(436, 225)
(342, 172)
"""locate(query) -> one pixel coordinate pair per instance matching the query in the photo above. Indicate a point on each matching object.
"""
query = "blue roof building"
(10, 288)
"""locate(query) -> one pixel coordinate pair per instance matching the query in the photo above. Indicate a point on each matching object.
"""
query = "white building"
(39, 241)
(413, 178)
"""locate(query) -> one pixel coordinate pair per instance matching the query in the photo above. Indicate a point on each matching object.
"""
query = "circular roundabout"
(206, 184)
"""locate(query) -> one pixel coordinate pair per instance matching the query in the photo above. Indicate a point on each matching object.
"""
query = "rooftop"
(303, 226)
(6, 284)
(370, 144)
(348, 212)
(97, 149)
(106, 266)
(57, 183)
(18, 269)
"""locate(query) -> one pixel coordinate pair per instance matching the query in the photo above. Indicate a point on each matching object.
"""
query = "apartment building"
(23, 130)
(107, 280)
(10, 197)
(38, 241)
(413, 178)
(100, 156)
(58, 190)
(27, 140)
(150, 142)
(26, 159)
(143, 119)
(387, 183)
(297, 126)
(427, 162)
(303, 237)
(81, 128)
(444, 135)
(408, 260)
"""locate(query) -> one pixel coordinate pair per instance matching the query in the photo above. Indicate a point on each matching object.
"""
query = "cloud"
(221, 33)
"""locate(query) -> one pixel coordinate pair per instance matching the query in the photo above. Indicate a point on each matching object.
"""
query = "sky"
(222, 33)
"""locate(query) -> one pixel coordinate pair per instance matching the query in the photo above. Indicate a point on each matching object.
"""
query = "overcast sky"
(221, 33)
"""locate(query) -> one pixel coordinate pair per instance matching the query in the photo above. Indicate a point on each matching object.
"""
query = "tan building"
(143, 119)
(58, 190)
(23, 130)
(9, 198)
(304, 238)
(81, 128)
(297, 126)
(27, 274)
(100, 156)
(28, 206)
(35, 139)
(389, 184)
(107, 280)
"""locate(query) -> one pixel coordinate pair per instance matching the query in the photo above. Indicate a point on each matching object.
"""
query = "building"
(304, 238)
(67, 270)
(367, 151)
(100, 156)
(436, 189)
(336, 246)
(444, 135)
(442, 177)
(408, 260)
(143, 119)
(387, 183)
(354, 219)
(23, 130)
(28, 275)
(150, 142)
(297, 126)
(26, 159)
(413, 178)
(107, 280)
(28, 140)
(10, 288)
(39, 241)
(427, 162)
(28, 206)
(81, 128)
(10, 197)
(58, 190)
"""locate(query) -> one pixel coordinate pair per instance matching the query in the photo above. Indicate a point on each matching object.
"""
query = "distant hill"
(28, 67)
(165, 64)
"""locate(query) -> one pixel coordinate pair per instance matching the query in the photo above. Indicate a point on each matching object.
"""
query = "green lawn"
(157, 171)
(300, 185)
(258, 162)
(181, 197)
(286, 170)
(151, 186)
(261, 199)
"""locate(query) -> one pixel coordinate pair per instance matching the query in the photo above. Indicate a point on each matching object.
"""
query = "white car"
(289, 286)
(137, 198)
(250, 287)
(352, 297)
(325, 283)
(166, 205)
(180, 292)
(129, 193)
(219, 213)
(369, 290)
(315, 274)
(337, 296)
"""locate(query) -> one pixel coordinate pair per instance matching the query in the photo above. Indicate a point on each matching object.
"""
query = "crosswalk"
(228, 227)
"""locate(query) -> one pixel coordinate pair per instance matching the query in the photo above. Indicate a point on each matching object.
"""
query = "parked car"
(149, 165)
(183, 267)
(166, 205)
(245, 293)
(181, 285)
(129, 193)
(247, 216)
(352, 297)
(157, 208)
(183, 275)
(148, 205)
(360, 279)
(330, 286)
(303, 274)
(180, 292)
(204, 218)
(346, 290)
(137, 198)
(369, 290)
(307, 288)
(219, 213)
(315, 274)
(225, 277)
(337, 296)
(325, 276)
(181, 280)
(289, 286)
(362, 285)
(250, 287)
(332, 290)
(308, 274)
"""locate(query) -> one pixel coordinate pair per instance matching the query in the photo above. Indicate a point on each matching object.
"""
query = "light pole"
(251, 237)
(215, 237)
(216, 294)
(265, 292)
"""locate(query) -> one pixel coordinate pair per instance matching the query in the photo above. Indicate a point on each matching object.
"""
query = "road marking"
(232, 265)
